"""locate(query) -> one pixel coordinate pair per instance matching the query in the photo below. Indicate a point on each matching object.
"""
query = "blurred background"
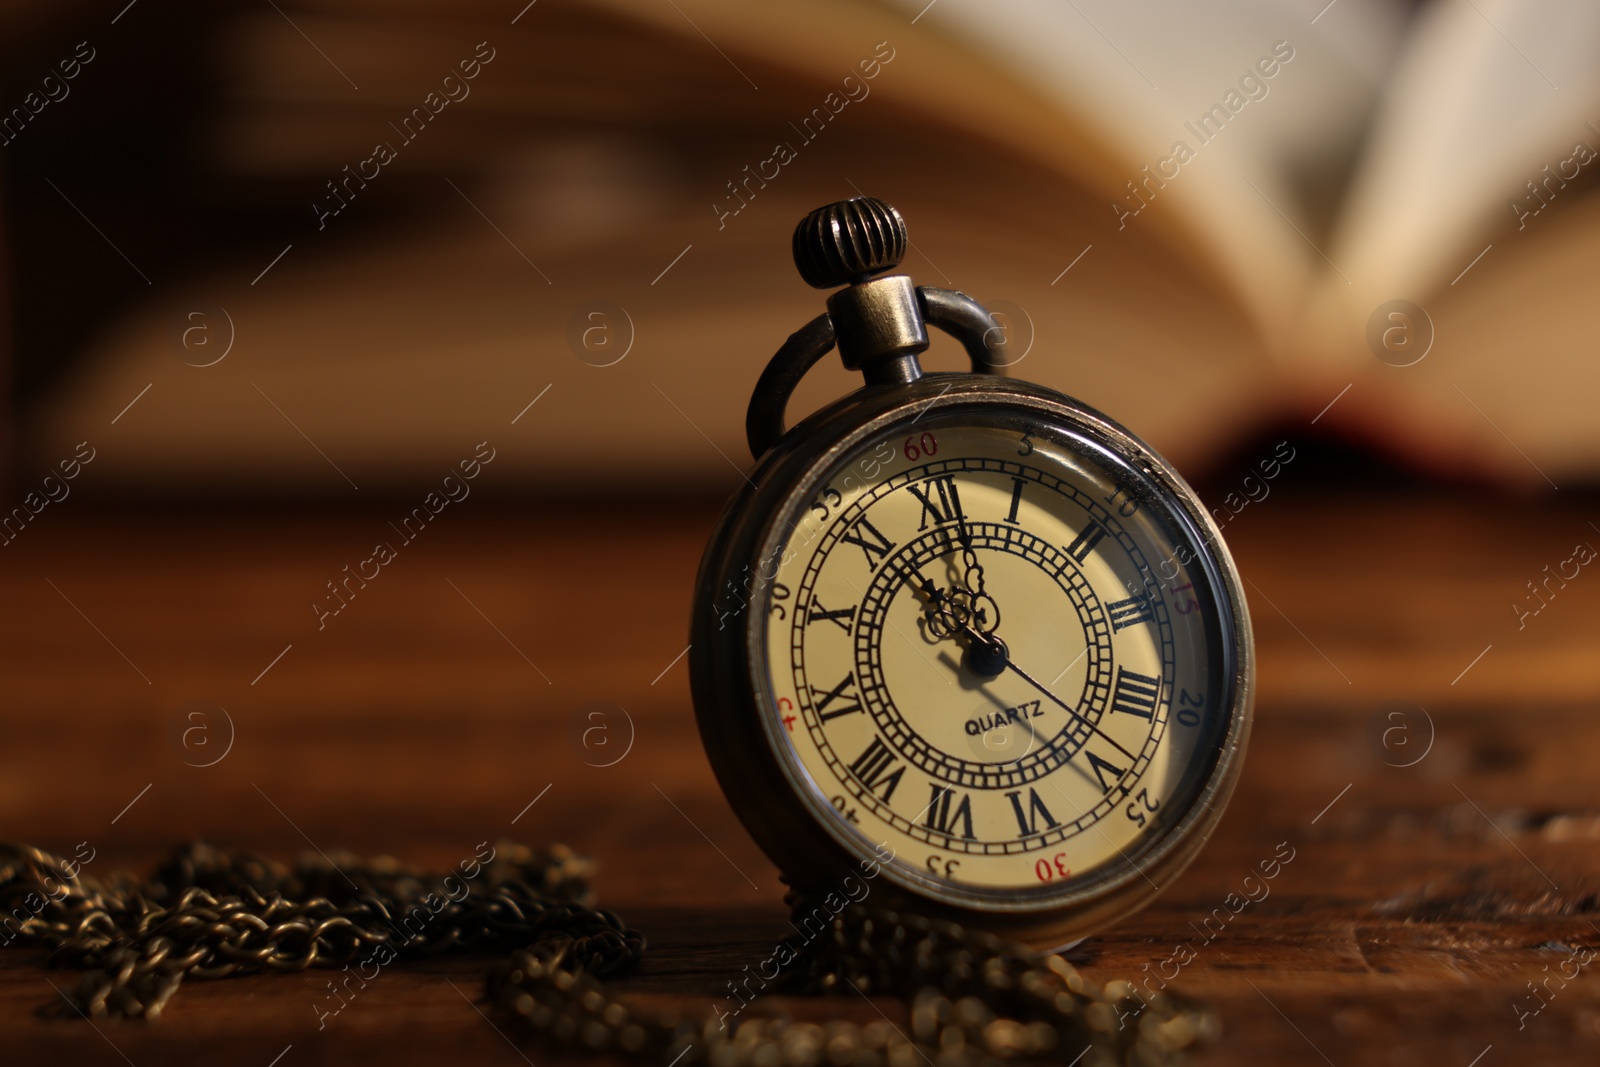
(289, 228)
(270, 271)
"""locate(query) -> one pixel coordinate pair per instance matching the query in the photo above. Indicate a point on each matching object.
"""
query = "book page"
(1218, 110)
(1487, 95)
(1475, 204)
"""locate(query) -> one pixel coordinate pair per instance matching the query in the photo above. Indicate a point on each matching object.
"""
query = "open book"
(1200, 219)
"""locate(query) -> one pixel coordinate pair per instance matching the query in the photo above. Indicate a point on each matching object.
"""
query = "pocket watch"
(959, 630)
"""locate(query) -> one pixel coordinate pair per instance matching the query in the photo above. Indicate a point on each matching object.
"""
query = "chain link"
(976, 1000)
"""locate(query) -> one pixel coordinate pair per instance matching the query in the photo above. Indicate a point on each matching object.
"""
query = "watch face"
(995, 646)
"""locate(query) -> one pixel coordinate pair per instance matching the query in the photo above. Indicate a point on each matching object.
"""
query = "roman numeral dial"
(978, 768)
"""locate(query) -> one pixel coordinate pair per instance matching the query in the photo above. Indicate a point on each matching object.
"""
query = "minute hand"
(1031, 680)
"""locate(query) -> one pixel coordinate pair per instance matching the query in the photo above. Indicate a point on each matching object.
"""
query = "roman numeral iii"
(1130, 612)
(1135, 694)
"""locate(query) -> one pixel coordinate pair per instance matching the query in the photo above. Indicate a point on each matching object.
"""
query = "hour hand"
(953, 616)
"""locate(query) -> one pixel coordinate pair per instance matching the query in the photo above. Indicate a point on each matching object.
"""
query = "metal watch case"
(734, 702)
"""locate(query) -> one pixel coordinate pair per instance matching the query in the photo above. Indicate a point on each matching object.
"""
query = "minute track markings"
(846, 528)
(866, 633)
(938, 600)
(1101, 831)
(1059, 748)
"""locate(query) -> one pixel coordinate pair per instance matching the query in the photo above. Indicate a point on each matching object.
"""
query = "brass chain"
(976, 1000)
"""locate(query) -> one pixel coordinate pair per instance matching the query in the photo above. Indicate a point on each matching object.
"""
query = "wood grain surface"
(453, 691)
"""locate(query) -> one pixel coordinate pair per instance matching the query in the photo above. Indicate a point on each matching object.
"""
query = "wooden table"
(451, 693)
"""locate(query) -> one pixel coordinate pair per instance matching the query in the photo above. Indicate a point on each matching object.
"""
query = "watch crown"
(849, 241)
